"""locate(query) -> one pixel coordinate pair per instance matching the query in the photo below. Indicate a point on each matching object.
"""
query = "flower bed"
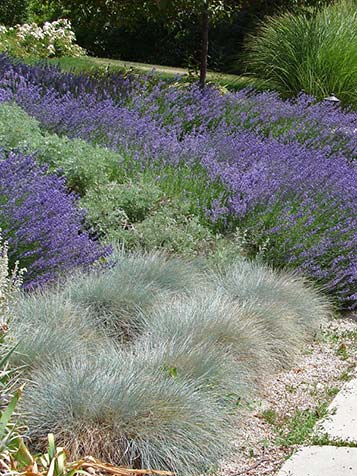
(283, 170)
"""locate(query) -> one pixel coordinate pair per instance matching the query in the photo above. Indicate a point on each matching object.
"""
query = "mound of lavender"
(41, 223)
(285, 169)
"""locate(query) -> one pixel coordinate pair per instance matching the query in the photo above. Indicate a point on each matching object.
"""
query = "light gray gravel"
(303, 387)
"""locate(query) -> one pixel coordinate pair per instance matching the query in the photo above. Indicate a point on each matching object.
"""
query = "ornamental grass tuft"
(210, 317)
(202, 343)
(116, 297)
(111, 406)
(46, 326)
(315, 52)
(288, 307)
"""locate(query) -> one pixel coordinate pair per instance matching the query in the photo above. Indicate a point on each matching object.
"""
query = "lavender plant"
(41, 223)
(248, 159)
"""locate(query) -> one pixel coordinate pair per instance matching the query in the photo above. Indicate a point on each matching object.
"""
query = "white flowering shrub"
(10, 283)
(31, 40)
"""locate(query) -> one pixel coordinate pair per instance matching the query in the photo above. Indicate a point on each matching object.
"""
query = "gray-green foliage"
(171, 227)
(10, 282)
(116, 298)
(140, 363)
(113, 207)
(314, 52)
(139, 215)
(46, 326)
(110, 404)
(84, 165)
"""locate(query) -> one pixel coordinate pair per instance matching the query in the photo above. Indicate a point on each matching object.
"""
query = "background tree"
(171, 32)
(12, 11)
(108, 14)
(206, 12)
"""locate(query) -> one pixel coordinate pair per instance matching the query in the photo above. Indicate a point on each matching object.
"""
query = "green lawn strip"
(89, 63)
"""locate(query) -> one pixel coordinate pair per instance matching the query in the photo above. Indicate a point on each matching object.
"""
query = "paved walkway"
(340, 428)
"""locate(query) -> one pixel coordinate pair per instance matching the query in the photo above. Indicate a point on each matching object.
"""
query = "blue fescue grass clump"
(315, 52)
(116, 298)
(292, 296)
(288, 306)
(126, 414)
(47, 327)
(41, 222)
(208, 318)
(142, 364)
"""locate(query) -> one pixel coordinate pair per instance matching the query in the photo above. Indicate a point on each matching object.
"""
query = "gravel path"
(313, 381)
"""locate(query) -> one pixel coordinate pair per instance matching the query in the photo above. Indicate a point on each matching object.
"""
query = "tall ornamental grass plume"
(315, 52)
(41, 223)
(45, 326)
(211, 318)
(113, 407)
(116, 297)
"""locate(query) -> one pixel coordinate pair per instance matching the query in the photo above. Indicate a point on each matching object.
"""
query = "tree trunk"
(204, 45)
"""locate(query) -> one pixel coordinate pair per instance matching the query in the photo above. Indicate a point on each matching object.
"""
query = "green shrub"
(110, 406)
(171, 227)
(84, 165)
(114, 206)
(311, 52)
(31, 40)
